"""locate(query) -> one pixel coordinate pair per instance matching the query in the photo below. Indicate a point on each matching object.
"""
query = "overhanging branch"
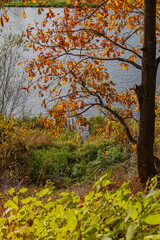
(114, 113)
(121, 120)
(107, 59)
(112, 41)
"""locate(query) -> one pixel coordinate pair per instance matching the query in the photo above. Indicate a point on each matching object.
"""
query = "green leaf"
(64, 200)
(154, 237)
(89, 196)
(15, 199)
(49, 205)
(131, 231)
(132, 213)
(11, 191)
(27, 200)
(37, 203)
(106, 237)
(153, 219)
(43, 192)
(64, 194)
(106, 182)
(72, 224)
(23, 190)
(11, 204)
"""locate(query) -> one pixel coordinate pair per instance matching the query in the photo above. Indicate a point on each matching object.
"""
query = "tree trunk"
(146, 95)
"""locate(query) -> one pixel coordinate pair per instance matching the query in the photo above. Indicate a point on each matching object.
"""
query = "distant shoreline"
(40, 3)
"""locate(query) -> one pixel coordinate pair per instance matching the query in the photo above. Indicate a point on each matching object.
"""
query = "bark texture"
(146, 95)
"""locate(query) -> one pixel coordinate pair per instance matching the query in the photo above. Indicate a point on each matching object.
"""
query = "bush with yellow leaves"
(12, 141)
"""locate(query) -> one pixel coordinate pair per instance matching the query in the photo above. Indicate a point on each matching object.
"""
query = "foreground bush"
(101, 214)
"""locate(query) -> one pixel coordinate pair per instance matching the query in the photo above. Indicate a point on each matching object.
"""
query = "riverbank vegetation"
(66, 188)
(31, 154)
(64, 160)
(41, 3)
(51, 3)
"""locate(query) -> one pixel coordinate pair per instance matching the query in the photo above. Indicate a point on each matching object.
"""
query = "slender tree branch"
(85, 110)
(121, 120)
(107, 59)
(112, 41)
(90, 15)
(114, 113)
(102, 35)
(131, 34)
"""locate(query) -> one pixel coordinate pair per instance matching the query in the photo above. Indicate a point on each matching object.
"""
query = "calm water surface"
(124, 79)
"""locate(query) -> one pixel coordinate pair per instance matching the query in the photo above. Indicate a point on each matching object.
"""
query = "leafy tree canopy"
(71, 50)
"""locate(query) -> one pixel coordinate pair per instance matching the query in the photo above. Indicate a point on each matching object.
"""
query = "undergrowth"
(101, 214)
(30, 153)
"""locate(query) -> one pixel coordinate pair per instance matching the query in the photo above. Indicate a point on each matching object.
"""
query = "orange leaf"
(64, 82)
(24, 14)
(124, 66)
(6, 18)
(46, 79)
(1, 22)
(5, 10)
(20, 63)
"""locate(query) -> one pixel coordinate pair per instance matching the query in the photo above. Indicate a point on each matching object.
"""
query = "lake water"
(124, 79)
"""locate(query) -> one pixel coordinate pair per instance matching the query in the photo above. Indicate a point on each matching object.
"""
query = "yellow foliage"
(12, 139)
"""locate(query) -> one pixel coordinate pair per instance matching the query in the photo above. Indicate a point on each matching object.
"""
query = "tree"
(12, 79)
(72, 52)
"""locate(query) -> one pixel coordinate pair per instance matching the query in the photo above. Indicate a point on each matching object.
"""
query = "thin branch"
(114, 113)
(102, 35)
(90, 15)
(131, 34)
(121, 120)
(116, 44)
(85, 110)
(107, 59)
(135, 119)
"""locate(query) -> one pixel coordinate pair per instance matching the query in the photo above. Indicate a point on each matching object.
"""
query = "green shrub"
(96, 123)
(53, 164)
(64, 160)
(101, 214)
(32, 122)
(69, 162)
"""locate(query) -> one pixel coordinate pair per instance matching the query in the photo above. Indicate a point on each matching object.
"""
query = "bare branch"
(132, 33)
